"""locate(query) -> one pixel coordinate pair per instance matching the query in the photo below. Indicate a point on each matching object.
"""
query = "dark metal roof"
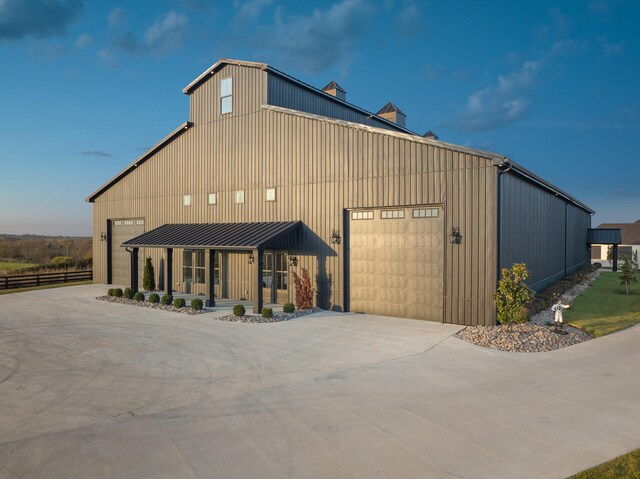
(604, 236)
(390, 108)
(630, 232)
(238, 236)
(430, 134)
(334, 86)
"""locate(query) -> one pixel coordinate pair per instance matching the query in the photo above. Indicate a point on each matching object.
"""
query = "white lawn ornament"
(558, 309)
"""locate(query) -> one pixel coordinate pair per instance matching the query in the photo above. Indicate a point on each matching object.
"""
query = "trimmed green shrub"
(267, 313)
(288, 308)
(148, 279)
(117, 292)
(138, 296)
(238, 310)
(128, 293)
(513, 295)
(196, 304)
(166, 300)
(154, 298)
(179, 303)
(110, 292)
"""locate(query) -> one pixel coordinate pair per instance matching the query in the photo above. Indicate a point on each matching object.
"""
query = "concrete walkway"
(96, 389)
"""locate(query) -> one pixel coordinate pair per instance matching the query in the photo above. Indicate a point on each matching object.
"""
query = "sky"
(87, 87)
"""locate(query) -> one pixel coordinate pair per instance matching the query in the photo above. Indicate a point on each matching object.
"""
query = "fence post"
(65, 276)
(37, 279)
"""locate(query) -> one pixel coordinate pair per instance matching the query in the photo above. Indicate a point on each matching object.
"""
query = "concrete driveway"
(94, 389)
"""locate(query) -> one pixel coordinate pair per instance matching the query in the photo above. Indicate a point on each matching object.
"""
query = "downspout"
(499, 220)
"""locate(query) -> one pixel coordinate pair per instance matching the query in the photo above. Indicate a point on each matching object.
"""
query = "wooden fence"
(41, 279)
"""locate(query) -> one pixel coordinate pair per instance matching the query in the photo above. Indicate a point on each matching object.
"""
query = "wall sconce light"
(456, 236)
(293, 261)
(335, 237)
(250, 258)
(103, 236)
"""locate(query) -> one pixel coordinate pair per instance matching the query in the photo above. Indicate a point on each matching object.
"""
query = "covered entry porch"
(607, 237)
(251, 238)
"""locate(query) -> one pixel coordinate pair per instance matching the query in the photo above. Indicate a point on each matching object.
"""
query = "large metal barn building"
(271, 175)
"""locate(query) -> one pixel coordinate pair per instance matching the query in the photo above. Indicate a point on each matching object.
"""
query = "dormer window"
(226, 98)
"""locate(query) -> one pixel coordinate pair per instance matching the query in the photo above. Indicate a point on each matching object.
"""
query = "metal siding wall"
(532, 231)
(286, 94)
(318, 169)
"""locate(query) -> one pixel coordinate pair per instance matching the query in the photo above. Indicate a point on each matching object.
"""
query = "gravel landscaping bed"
(146, 304)
(277, 317)
(536, 335)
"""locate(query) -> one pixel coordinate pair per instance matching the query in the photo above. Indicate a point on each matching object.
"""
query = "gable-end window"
(271, 194)
(186, 200)
(239, 197)
(213, 198)
(226, 95)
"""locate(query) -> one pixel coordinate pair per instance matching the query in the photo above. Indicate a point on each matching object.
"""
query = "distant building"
(630, 240)
(271, 175)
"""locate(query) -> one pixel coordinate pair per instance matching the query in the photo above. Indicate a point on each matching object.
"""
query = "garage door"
(396, 262)
(121, 231)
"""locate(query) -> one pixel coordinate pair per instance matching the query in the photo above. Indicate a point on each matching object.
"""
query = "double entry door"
(275, 277)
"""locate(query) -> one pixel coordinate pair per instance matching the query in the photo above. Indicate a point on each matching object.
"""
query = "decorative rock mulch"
(146, 304)
(534, 336)
(277, 316)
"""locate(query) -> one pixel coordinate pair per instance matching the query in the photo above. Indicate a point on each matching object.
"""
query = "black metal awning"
(224, 236)
(604, 236)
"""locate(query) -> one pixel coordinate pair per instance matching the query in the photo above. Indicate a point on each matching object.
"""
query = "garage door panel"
(121, 231)
(396, 265)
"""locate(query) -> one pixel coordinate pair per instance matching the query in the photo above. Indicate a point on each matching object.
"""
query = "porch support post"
(257, 280)
(615, 257)
(169, 273)
(134, 269)
(209, 278)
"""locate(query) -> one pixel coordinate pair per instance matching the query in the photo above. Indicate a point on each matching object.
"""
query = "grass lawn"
(623, 467)
(48, 286)
(6, 267)
(604, 308)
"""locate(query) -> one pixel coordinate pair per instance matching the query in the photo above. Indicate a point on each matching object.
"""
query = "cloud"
(317, 41)
(410, 20)
(115, 17)
(41, 49)
(251, 8)
(83, 41)
(36, 18)
(499, 104)
(96, 153)
(610, 48)
(162, 37)
(627, 113)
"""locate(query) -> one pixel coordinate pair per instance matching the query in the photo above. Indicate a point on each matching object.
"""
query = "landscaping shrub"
(166, 300)
(179, 303)
(304, 290)
(128, 293)
(110, 292)
(288, 308)
(117, 292)
(148, 279)
(138, 296)
(154, 298)
(267, 313)
(238, 310)
(196, 304)
(512, 295)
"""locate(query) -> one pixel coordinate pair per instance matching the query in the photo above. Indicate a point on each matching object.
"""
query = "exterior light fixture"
(103, 236)
(250, 258)
(335, 237)
(293, 261)
(455, 236)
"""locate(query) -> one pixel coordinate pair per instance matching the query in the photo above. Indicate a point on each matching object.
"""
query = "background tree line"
(42, 249)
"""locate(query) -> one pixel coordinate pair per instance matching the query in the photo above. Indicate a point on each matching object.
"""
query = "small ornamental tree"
(304, 290)
(512, 295)
(148, 280)
(629, 271)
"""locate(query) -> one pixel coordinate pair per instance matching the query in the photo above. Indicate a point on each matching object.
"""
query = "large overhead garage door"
(121, 231)
(396, 262)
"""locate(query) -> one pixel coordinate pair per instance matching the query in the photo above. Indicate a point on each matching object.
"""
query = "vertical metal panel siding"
(319, 169)
(286, 94)
(532, 231)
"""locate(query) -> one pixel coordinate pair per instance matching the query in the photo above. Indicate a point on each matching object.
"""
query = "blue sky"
(88, 86)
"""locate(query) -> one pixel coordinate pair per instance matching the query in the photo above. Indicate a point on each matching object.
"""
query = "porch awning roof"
(604, 236)
(227, 236)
